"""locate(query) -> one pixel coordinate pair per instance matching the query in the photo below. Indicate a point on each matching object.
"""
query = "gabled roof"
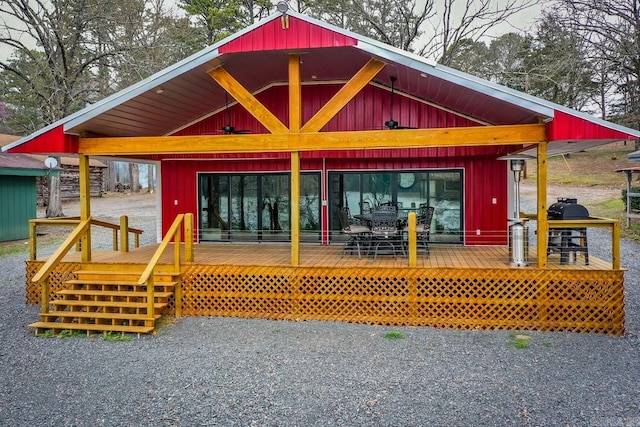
(256, 56)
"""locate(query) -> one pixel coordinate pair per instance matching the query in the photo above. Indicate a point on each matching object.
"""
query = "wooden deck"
(455, 287)
(315, 255)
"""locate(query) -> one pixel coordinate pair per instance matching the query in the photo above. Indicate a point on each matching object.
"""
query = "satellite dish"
(51, 162)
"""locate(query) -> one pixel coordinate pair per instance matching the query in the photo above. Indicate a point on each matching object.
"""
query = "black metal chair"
(358, 234)
(384, 230)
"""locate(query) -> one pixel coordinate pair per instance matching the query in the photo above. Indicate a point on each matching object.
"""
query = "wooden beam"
(247, 100)
(295, 208)
(376, 139)
(295, 94)
(543, 226)
(344, 95)
(85, 204)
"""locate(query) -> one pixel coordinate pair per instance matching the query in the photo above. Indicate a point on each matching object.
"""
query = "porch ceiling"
(165, 106)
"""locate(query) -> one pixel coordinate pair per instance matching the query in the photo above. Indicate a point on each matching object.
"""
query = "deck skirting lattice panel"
(534, 299)
(553, 300)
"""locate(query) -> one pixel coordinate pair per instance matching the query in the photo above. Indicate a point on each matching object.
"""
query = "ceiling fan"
(228, 129)
(391, 123)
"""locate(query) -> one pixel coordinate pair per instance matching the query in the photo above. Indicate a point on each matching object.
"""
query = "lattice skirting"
(552, 300)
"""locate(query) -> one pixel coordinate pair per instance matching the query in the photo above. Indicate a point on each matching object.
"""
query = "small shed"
(18, 173)
(70, 179)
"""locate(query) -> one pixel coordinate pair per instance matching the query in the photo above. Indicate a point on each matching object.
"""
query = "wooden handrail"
(173, 230)
(146, 278)
(42, 276)
(596, 222)
(73, 220)
(62, 250)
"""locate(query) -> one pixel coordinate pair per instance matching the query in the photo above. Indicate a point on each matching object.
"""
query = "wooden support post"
(295, 94)
(412, 239)
(124, 233)
(543, 226)
(188, 237)
(115, 239)
(295, 208)
(151, 309)
(177, 296)
(44, 296)
(85, 205)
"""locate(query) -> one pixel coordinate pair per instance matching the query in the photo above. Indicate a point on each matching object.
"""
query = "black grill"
(567, 241)
(567, 208)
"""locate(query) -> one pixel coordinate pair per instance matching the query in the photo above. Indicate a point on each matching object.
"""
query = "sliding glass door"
(442, 189)
(252, 207)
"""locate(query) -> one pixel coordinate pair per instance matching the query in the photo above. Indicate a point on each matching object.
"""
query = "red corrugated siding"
(50, 142)
(299, 35)
(367, 111)
(567, 127)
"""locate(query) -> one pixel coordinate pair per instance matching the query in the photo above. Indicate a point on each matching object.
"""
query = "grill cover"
(567, 208)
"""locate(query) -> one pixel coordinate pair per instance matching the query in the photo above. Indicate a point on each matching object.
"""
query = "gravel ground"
(225, 371)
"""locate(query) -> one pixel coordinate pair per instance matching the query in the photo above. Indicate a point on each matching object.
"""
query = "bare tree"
(613, 31)
(134, 177)
(395, 22)
(150, 181)
(67, 53)
(459, 20)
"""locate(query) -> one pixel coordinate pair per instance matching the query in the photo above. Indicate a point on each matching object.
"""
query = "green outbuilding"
(18, 174)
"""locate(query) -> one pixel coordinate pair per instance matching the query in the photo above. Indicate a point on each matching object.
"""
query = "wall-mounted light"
(160, 90)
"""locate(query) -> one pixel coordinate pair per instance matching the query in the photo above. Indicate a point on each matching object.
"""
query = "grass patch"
(13, 249)
(116, 336)
(165, 320)
(71, 333)
(394, 335)
(593, 167)
(519, 341)
(46, 334)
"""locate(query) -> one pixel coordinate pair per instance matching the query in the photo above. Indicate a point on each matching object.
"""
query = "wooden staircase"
(106, 300)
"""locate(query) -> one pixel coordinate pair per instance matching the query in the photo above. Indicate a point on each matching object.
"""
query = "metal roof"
(184, 93)
(634, 156)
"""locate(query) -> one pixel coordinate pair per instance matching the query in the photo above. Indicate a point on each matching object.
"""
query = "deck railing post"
(177, 240)
(32, 240)
(615, 242)
(412, 239)
(124, 233)
(188, 237)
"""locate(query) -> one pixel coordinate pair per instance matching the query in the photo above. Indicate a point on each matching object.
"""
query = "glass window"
(442, 189)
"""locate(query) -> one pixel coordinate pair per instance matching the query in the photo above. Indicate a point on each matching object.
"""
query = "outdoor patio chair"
(384, 231)
(359, 235)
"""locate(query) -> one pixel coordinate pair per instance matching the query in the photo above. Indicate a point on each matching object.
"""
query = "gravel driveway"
(225, 371)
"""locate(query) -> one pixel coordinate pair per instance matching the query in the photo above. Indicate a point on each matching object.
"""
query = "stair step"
(114, 282)
(126, 275)
(93, 327)
(123, 304)
(99, 315)
(100, 293)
